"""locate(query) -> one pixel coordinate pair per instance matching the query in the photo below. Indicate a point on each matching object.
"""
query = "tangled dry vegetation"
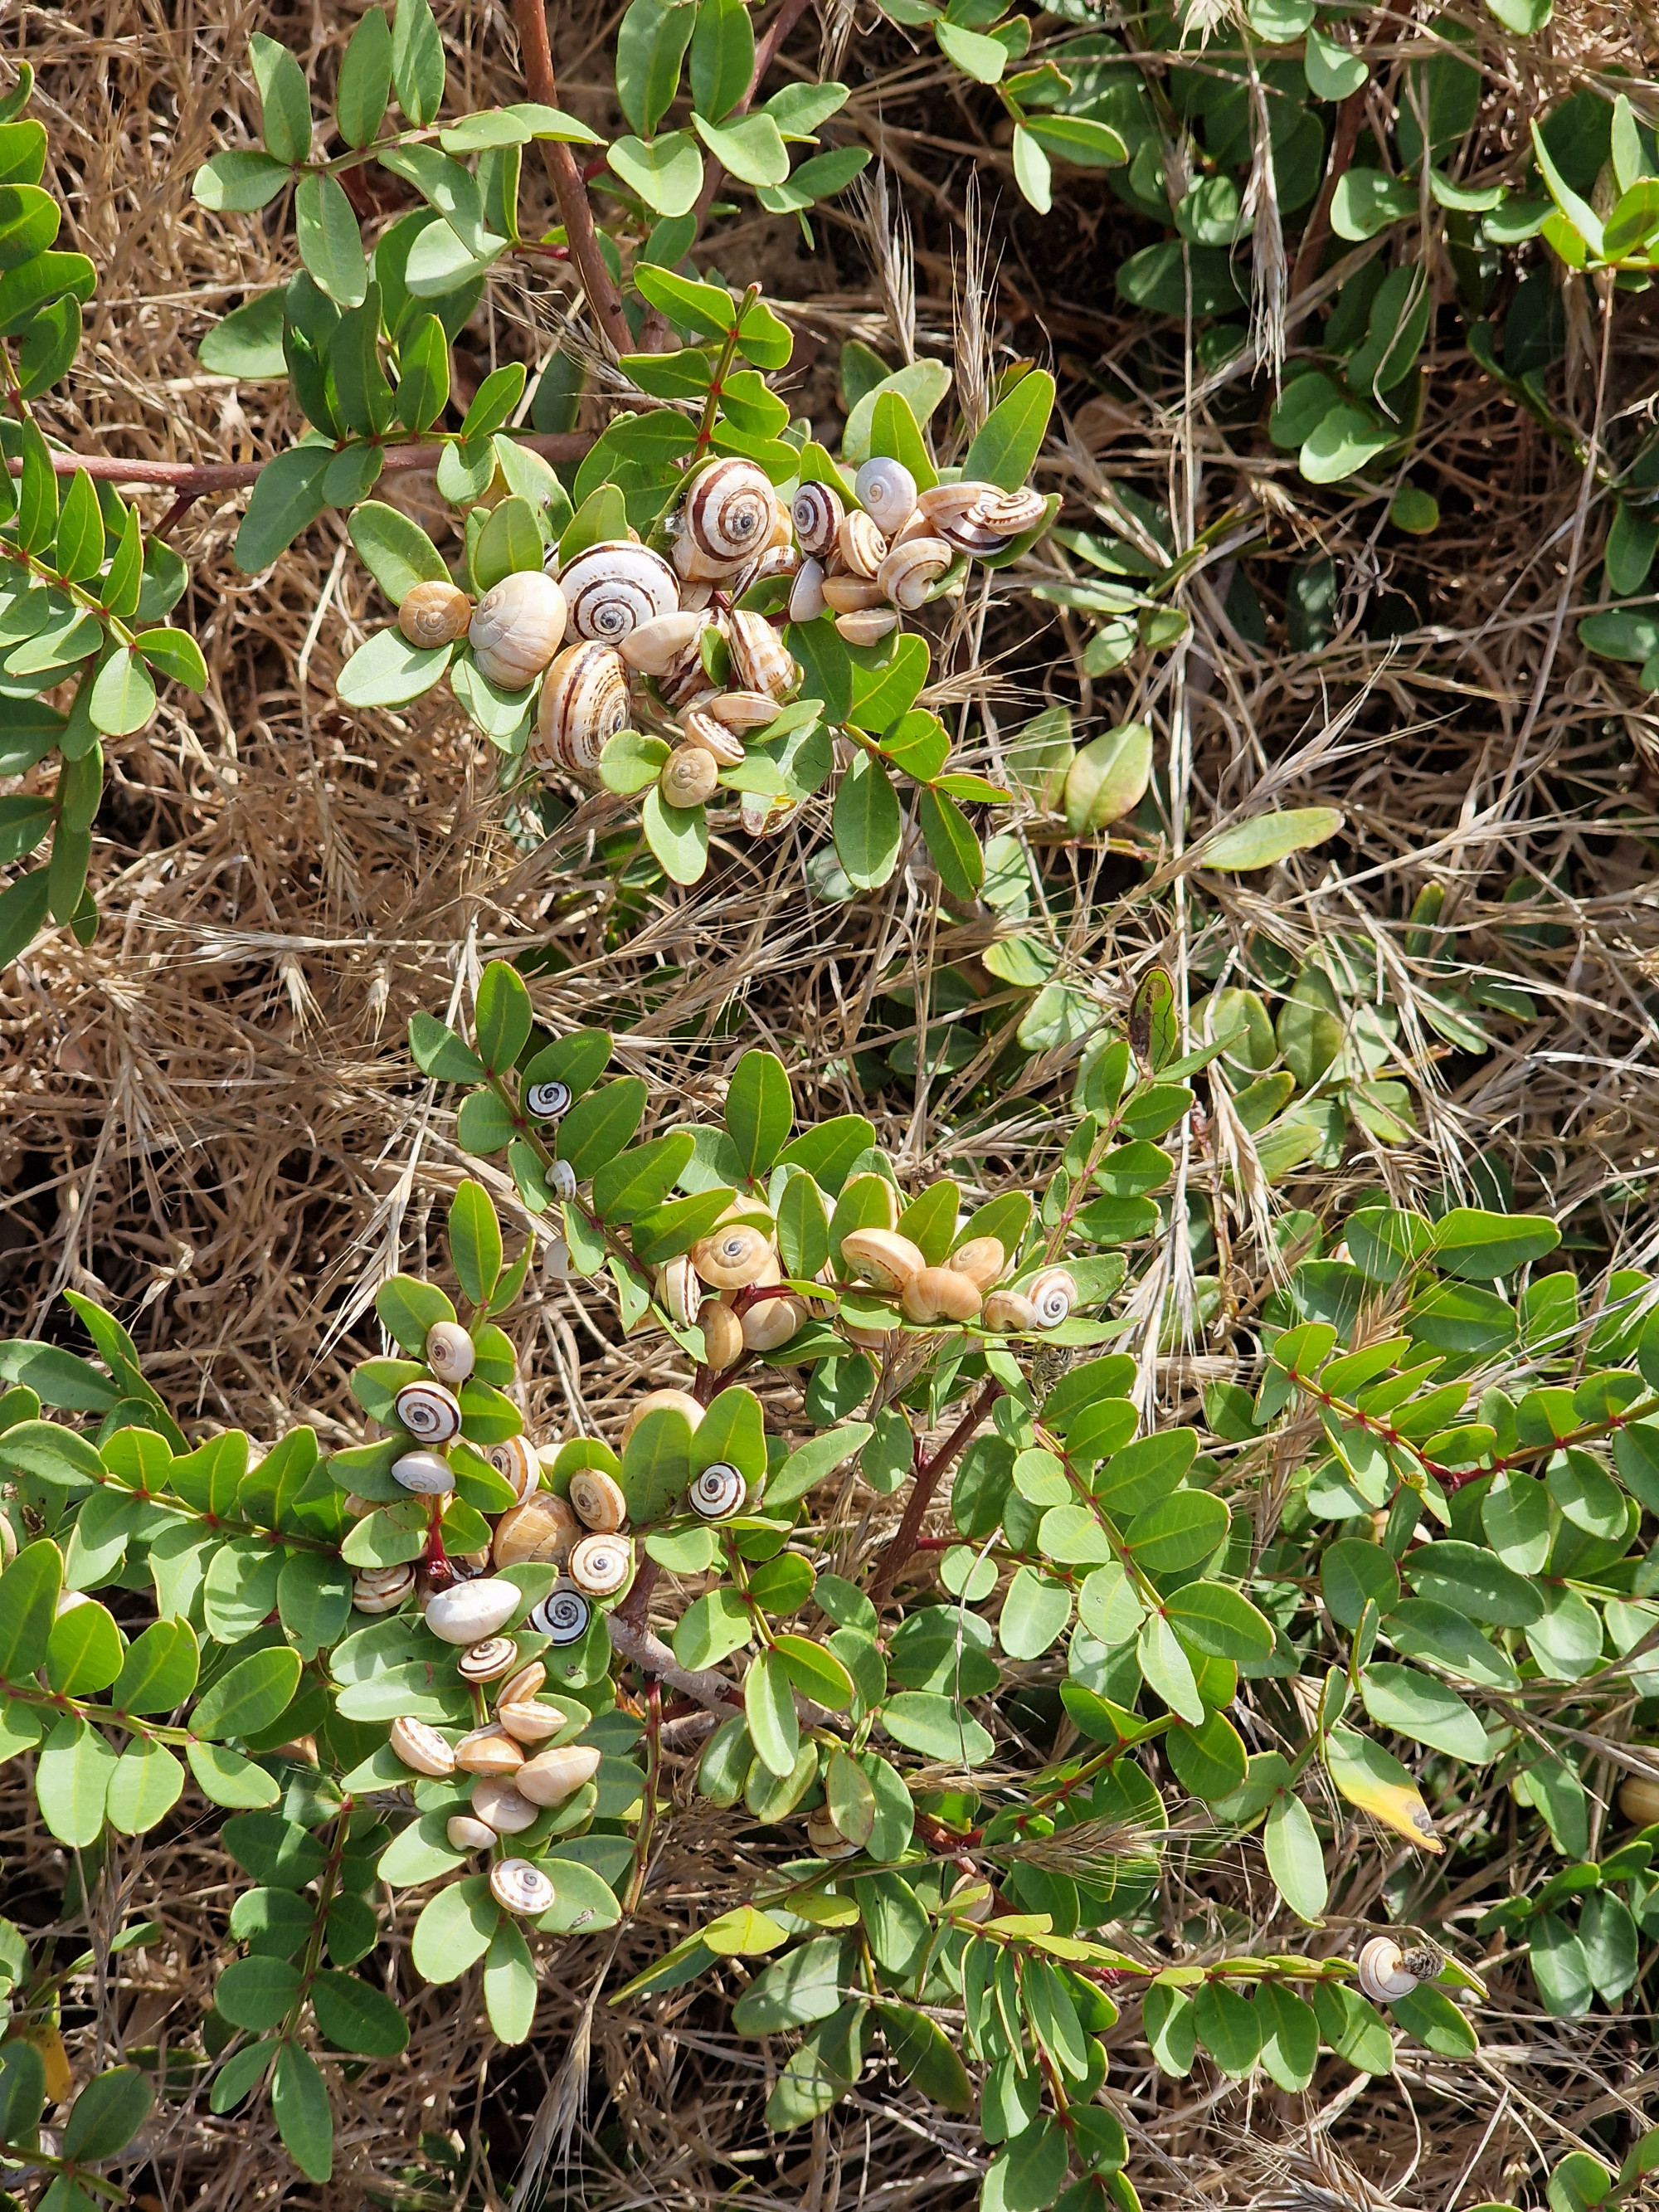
(209, 1119)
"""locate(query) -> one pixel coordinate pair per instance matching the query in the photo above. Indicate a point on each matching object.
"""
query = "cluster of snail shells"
(713, 1287)
(962, 1288)
(870, 565)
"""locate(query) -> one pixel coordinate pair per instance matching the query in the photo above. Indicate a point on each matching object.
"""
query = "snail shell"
(547, 1101)
(981, 1259)
(806, 600)
(722, 1335)
(852, 594)
(730, 512)
(583, 704)
(772, 1322)
(528, 1722)
(421, 1748)
(384, 1590)
(708, 733)
(763, 817)
(654, 1401)
(868, 626)
(488, 1751)
(431, 1413)
(817, 513)
(860, 544)
(950, 512)
(424, 1473)
(1009, 513)
(517, 628)
(731, 1256)
(434, 614)
(600, 1565)
(1638, 1800)
(651, 648)
(1053, 1294)
(759, 657)
(973, 1898)
(718, 1492)
(690, 776)
(450, 1353)
(468, 1612)
(562, 1616)
(743, 710)
(555, 1260)
(488, 1661)
(1387, 1972)
(519, 1688)
(1012, 1312)
(497, 1802)
(614, 588)
(678, 1291)
(562, 1179)
(597, 1500)
(940, 1294)
(685, 679)
(882, 1257)
(825, 1838)
(513, 1459)
(518, 1886)
(773, 560)
(887, 492)
(466, 1834)
(553, 1775)
(542, 1527)
(911, 570)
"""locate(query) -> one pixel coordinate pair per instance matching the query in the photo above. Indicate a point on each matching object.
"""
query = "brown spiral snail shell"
(866, 625)
(655, 1402)
(816, 514)
(882, 1257)
(730, 512)
(431, 1413)
(722, 1335)
(951, 510)
(421, 1748)
(760, 657)
(981, 1259)
(518, 1886)
(382, 1589)
(600, 1565)
(690, 776)
(718, 1492)
(583, 704)
(547, 1100)
(541, 1527)
(614, 588)
(488, 1661)
(553, 1775)
(423, 1474)
(910, 571)
(597, 1500)
(515, 1459)
(651, 648)
(1010, 513)
(563, 1616)
(497, 1803)
(1387, 1972)
(860, 543)
(517, 628)
(1012, 1312)
(434, 614)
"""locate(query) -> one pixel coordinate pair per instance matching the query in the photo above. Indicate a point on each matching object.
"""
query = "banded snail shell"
(981, 1259)
(614, 588)
(911, 570)
(708, 734)
(1012, 1312)
(939, 1294)
(772, 1322)
(722, 1335)
(882, 1257)
(730, 511)
(759, 656)
(718, 1492)
(450, 1351)
(852, 594)
(381, 1598)
(519, 1688)
(434, 614)
(583, 704)
(950, 512)
(685, 679)
(867, 626)
(424, 1474)
(488, 1661)
(468, 1612)
(515, 1459)
(696, 596)
(1053, 1294)
(887, 492)
(698, 571)
(562, 1616)
(421, 1748)
(517, 628)
(806, 600)
(1387, 1972)
(733, 1256)
(690, 776)
(860, 543)
(678, 1291)
(464, 1833)
(654, 1401)
(600, 1565)
(542, 1526)
(597, 1501)
(431, 1413)
(529, 1722)
(743, 710)
(816, 514)
(547, 1101)
(772, 560)
(518, 1886)
(825, 1838)
(553, 1775)
(561, 1178)
(652, 647)
(488, 1751)
(1010, 512)
(497, 1803)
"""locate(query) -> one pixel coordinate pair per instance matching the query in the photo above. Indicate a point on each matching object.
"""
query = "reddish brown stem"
(1349, 116)
(536, 58)
(926, 1482)
(195, 479)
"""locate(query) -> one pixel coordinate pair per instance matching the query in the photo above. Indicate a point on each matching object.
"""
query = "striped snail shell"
(845, 593)
(730, 512)
(615, 587)
(1053, 1294)
(1387, 1972)
(561, 1179)
(547, 1101)
(597, 1500)
(383, 1590)
(825, 1838)
(867, 626)
(861, 542)
(650, 649)
(450, 1351)
(1638, 1800)
(600, 1564)
(488, 1661)
(519, 1688)
(1010, 512)
(488, 1750)
(817, 515)
(517, 628)
(706, 733)
(678, 1291)
(518, 1886)
(887, 492)
(541, 1526)
(690, 776)
(562, 1616)
(760, 657)
(743, 710)
(950, 510)
(500, 1806)
(514, 1458)
(730, 1257)
(806, 600)
(528, 1722)
(772, 1322)
(424, 1474)
(770, 561)
(431, 1413)
(685, 679)
(718, 1492)
(911, 570)
(421, 1748)
(583, 704)
(434, 614)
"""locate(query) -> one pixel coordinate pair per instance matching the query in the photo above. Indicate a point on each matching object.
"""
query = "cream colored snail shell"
(654, 1401)
(431, 1413)
(759, 656)
(860, 543)
(706, 733)
(718, 1492)
(563, 1616)
(772, 1322)
(382, 1589)
(464, 1833)
(868, 627)
(517, 628)
(423, 1474)
(583, 704)
(1010, 513)
(519, 1688)
(887, 492)
(597, 1500)
(817, 512)
(547, 1100)
(560, 1176)
(1638, 1801)
(882, 1257)
(541, 1527)
(806, 600)
(1387, 1972)
(488, 1661)
(730, 511)
(518, 1886)
(690, 776)
(733, 1256)
(614, 588)
(744, 710)
(911, 570)
(1053, 1294)
(852, 594)
(450, 1351)
(421, 1748)
(514, 1460)
(981, 1259)
(528, 1722)
(772, 560)
(434, 614)
(953, 513)
(1012, 1312)
(677, 1291)
(553, 1775)
(652, 648)
(466, 1612)
(601, 1566)
(722, 1335)
(685, 679)
(940, 1294)
(496, 1802)
(488, 1751)
(825, 1838)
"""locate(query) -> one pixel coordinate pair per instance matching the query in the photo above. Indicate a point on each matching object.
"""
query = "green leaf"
(1220, 1622)
(285, 104)
(108, 2114)
(1108, 778)
(509, 1980)
(751, 148)
(769, 1708)
(299, 2104)
(650, 47)
(1178, 1532)
(475, 1241)
(83, 1652)
(702, 308)
(1333, 71)
(238, 182)
(597, 1127)
(331, 247)
(982, 58)
(1229, 2026)
(1295, 1859)
(51, 343)
(439, 1052)
(722, 56)
(501, 1015)
(159, 1670)
(1269, 838)
(937, 1728)
(1034, 1614)
(924, 2054)
(417, 61)
(28, 1600)
(759, 1111)
(71, 1781)
(954, 848)
(1169, 1670)
(287, 498)
(175, 653)
(355, 2016)
(1005, 449)
(250, 1696)
(679, 835)
(454, 1929)
(1366, 201)
(866, 823)
(1481, 1247)
(365, 82)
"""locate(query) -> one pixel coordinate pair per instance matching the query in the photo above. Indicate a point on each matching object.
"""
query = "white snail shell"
(562, 1616)
(868, 626)
(488, 1661)
(722, 1335)
(497, 1803)
(562, 1179)
(450, 1351)
(825, 1838)
(806, 600)
(743, 710)
(1387, 1972)
(583, 704)
(517, 628)
(518, 1886)
(861, 544)
(421, 1748)
(1010, 513)
(431, 1413)
(772, 1322)
(515, 1459)
(597, 1500)
(466, 1612)
(553, 1775)
(1012, 1312)
(465, 1835)
(690, 776)
(911, 570)
(730, 512)
(950, 510)
(424, 1474)
(816, 514)
(882, 1257)
(600, 1565)
(718, 1492)
(434, 614)
(887, 492)
(519, 1688)
(652, 647)
(705, 732)
(981, 1259)
(940, 1294)
(547, 1101)
(488, 1750)
(678, 1291)
(529, 1722)
(759, 657)
(614, 588)
(542, 1527)
(654, 1401)
(1053, 1294)
(382, 1589)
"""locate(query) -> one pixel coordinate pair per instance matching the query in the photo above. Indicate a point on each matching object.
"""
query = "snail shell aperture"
(718, 1492)
(882, 1257)
(464, 1833)
(547, 1101)
(614, 587)
(887, 492)
(600, 1565)
(910, 571)
(518, 1886)
(562, 1616)
(583, 704)
(450, 1351)
(1012, 1312)
(597, 1500)
(730, 512)
(515, 1459)
(517, 628)
(817, 515)
(496, 1802)
(431, 1413)
(434, 614)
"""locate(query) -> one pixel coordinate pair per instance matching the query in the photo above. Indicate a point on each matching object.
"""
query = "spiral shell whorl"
(1387, 1972)
(562, 1616)
(614, 588)
(601, 1564)
(887, 492)
(1053, 1294)
(547, 1101)
(431, 1413)
(730, 512)
(518, 1886)
(597, 1501)
(718, 1492)
(450, 1353)
(817, 515)
(434, 614)
(517, 628)
(583, 704)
